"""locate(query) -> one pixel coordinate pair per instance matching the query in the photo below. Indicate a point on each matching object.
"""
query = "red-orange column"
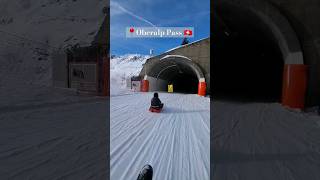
(202, 88)
(294, 85)
(144, 85)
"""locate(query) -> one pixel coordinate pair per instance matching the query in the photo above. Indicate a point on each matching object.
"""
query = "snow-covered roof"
(168, 56)
(186, 44)
(101, 36)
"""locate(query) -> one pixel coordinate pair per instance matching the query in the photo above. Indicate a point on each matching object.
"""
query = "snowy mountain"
(31, 30)
(123, 67)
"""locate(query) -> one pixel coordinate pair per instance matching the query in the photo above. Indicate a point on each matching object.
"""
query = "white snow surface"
(45, 132)
(124, 67)
(264, 141)
(49, 133)
(175, 142)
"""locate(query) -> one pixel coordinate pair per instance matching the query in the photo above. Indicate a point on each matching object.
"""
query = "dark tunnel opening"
(181, 75)
(247, 62)
(185, 83)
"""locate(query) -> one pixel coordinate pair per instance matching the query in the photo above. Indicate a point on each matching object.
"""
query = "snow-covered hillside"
(31, 30)
(123, 67)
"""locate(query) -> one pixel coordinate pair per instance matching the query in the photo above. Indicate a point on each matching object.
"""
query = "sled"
(155, 109)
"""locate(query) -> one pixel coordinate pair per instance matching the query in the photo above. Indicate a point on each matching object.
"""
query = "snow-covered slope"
(264, 141)
(31, 30)
(123, 67)
(174, 142)
(47, 133)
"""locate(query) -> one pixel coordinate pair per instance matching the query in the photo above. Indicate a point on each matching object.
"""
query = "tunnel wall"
(304, 16)
(270, 16)
(198, 52)
(154, 85)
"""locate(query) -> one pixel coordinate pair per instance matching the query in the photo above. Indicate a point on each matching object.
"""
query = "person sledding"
(156, 104)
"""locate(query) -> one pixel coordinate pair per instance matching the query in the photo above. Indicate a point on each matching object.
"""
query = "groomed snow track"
(176, 142)
(264, 141)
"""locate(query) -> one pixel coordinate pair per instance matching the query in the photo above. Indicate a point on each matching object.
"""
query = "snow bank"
(123, 67)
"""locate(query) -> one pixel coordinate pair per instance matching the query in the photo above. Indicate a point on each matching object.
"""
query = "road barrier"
(202, 88)
(144, 85)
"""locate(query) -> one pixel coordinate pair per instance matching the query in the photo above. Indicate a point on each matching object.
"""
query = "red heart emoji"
(131, 30)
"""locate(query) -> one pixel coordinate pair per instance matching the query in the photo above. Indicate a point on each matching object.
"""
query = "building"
(85, 69)
(187, 67)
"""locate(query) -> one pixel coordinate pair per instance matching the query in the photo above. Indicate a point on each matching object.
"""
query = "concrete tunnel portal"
(247, 63)
(180, 71)
(251, 51)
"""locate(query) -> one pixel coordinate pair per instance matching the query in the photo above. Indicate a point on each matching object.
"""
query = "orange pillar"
(294, 85)
(144, 85)
(202, 87)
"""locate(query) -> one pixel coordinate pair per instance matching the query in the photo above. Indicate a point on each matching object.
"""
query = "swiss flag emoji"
(187, 32)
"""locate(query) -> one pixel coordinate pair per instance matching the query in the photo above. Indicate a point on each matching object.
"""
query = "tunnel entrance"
(185, 83)
(181, 72)
(247, 61)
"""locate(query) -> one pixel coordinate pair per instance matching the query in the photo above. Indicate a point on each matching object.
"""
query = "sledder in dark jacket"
(155, 102)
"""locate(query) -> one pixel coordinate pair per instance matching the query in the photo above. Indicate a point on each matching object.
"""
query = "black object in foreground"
(146, 173)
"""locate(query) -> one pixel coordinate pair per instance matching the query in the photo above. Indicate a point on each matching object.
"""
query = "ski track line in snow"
(264, 141)
(175, 142)
(56, 142)
(15, 108)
